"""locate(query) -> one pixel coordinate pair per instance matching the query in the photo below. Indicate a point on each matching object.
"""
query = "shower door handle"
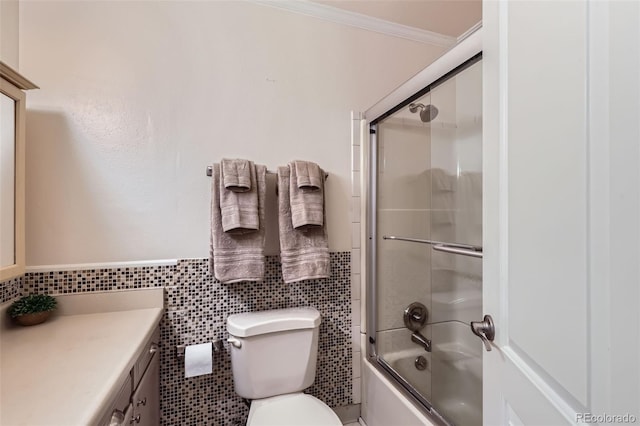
(485, 330)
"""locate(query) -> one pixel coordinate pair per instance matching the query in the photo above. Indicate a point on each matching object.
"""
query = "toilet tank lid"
(263, 322)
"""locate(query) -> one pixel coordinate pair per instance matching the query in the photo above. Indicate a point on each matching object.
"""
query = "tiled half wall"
(196, 309)
(11, 289)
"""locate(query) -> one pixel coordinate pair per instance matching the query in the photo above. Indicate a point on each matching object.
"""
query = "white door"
(562, 211)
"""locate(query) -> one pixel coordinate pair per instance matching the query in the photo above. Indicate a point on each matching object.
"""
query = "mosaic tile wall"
(11, 289)
(197, 307)
(88, 280)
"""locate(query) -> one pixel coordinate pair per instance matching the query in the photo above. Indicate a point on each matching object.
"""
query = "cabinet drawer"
(148, 352)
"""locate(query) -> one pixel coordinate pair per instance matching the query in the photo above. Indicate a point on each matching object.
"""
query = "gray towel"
(307, 206)
(304, 254)
(240, 209)
(236, 174)
(309, 177)
(237, 257)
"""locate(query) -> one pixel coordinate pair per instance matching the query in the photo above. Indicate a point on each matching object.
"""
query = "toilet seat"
(296, 409)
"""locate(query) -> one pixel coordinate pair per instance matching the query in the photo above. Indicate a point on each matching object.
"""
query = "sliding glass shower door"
(428, 238)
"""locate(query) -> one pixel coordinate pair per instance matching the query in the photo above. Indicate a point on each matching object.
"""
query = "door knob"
(485, 330)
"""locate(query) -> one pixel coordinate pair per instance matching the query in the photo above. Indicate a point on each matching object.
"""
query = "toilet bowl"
(273, 359)
(297, 409)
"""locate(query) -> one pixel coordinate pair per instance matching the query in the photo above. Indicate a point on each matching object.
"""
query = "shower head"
(427, 112)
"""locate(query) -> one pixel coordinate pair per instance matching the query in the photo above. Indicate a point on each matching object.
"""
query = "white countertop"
(64, 372)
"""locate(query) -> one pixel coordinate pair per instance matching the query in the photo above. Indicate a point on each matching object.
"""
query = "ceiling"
(448, 17)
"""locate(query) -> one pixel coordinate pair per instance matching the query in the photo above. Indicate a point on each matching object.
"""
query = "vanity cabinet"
(146, 398)
(92, 357)
(12, 171)
(138, 400)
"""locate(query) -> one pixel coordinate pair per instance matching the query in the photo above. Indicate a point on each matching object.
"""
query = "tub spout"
(418, 338)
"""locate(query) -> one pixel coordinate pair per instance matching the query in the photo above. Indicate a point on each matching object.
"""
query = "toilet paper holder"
(217, 347)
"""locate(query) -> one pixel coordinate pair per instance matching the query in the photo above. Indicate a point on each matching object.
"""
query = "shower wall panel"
(403, 209)
(456, 201)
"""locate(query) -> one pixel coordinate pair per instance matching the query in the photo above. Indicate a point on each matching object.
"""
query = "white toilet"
(273, 358)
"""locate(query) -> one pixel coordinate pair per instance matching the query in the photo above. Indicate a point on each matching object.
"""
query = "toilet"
(273, 359)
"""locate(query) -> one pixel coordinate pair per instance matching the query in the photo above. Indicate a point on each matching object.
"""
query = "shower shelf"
(454, 248)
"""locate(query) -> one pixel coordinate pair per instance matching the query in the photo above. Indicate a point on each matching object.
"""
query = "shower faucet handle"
(485, 330)
(415, 316)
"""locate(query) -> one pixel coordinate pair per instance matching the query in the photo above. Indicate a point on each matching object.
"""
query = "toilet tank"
(273, 352)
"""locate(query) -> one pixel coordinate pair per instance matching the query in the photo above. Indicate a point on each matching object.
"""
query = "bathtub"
(384, 404)
(451, 382)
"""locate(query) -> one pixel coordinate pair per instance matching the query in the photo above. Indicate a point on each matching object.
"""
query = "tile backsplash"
(196, 309)
(11, 289)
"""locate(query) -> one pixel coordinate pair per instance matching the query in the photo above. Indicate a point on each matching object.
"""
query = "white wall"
(137, 98)
(9, 10)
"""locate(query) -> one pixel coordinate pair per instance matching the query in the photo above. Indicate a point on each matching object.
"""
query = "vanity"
(95, 362)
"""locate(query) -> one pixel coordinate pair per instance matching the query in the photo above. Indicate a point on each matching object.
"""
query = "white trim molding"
(358, 20)
(470, 31)
(104, 265)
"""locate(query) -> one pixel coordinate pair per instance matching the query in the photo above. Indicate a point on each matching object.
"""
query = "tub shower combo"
(424, 253)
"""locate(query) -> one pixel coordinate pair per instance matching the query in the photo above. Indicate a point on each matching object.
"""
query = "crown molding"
(15, 78)
(470, 31)
(345, 17)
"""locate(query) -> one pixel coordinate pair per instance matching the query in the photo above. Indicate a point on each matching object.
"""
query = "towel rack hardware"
(210, 172)
(216, 344)
(455, 248)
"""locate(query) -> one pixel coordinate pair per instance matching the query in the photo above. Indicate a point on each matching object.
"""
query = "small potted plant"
(33, 309)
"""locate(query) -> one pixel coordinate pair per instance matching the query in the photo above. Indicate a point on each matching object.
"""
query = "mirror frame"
(12, 84)
(17, 269)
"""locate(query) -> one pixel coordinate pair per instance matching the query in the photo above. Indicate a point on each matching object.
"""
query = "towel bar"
(210, 172)
(455, 248)
(458, 250)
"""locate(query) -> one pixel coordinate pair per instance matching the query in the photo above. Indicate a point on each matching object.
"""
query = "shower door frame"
(461, 56)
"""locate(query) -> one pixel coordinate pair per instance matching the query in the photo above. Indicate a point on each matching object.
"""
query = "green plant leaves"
(32, 304)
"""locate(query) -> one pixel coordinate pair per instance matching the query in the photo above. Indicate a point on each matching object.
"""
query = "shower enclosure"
(424, 265)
